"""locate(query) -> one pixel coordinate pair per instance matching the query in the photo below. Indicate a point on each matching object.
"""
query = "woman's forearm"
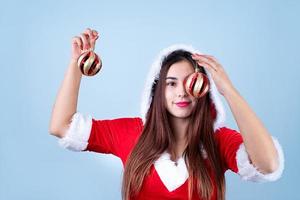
(257, 140)
(66, 101)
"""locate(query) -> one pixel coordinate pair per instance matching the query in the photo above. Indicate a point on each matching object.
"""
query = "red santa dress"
(165, 180)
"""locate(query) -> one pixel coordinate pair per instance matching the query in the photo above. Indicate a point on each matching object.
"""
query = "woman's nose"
(181, 91)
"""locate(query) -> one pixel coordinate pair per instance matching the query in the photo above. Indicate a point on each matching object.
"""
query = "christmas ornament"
(197, 84)
(89, 63)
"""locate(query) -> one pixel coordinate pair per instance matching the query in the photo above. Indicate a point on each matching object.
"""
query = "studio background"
(257, 42)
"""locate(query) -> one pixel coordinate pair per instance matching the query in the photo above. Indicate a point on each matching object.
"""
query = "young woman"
(180, 147)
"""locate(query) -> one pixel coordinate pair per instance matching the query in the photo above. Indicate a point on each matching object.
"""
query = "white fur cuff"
(250, 173)
(76, 138)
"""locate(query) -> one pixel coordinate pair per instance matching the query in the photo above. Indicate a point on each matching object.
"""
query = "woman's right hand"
(83, 42)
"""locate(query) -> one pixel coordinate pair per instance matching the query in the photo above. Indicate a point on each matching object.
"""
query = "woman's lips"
(183, 104)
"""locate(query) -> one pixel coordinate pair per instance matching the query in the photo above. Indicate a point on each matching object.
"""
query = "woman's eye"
(171, 83)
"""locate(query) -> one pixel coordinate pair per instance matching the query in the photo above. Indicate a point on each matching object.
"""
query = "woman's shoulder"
(226, 136)
(122, 123)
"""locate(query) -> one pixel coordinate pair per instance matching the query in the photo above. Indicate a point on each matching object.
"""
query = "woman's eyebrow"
(170, 77)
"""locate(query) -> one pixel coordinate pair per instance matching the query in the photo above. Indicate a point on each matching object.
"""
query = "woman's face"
(179, 103)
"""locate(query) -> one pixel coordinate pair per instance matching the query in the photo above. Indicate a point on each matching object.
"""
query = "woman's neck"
(179, 127)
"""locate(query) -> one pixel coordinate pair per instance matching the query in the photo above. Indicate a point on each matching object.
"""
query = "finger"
(213, 59)
(210, 62)
(85, 40)
(90, 38)
(88, 32)
(91, 33)
(207, 66)
(95, 33)
(197, 57)
(77, 41)
(94, 37)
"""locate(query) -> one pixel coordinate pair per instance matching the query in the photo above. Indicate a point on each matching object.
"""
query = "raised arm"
(257, 139)
(66, 101)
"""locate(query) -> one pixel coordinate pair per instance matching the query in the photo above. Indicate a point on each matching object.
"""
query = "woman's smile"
(183, 104)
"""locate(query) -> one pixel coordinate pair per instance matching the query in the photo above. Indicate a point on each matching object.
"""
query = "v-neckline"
(165, 187)
(166, 170)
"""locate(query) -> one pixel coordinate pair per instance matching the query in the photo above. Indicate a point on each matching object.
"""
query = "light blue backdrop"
(257, 43)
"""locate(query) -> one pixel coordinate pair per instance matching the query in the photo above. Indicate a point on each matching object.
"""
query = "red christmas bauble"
(197, 84)
(89, 63)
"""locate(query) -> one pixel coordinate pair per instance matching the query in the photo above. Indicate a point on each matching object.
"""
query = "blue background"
(257, 42)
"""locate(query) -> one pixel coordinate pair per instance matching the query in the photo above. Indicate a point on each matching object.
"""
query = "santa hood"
(217, 105)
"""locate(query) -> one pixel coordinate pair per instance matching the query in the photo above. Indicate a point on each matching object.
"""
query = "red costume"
(166, 180)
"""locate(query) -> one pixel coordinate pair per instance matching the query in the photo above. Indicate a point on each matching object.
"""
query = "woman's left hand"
(216, 70)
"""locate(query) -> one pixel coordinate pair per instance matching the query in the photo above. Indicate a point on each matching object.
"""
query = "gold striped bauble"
(197, 84)
(89, 63)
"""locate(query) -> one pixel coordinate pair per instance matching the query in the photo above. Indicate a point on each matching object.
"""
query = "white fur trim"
(153, 74)
(249, 172)
(76, 138)
(172, 176)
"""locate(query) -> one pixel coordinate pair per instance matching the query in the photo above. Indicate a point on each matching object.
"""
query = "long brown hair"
(157, 136)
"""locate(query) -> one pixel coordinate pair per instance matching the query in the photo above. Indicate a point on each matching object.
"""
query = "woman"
(180, 147)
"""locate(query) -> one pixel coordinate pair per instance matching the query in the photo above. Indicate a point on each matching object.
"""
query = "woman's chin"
(180, 115)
